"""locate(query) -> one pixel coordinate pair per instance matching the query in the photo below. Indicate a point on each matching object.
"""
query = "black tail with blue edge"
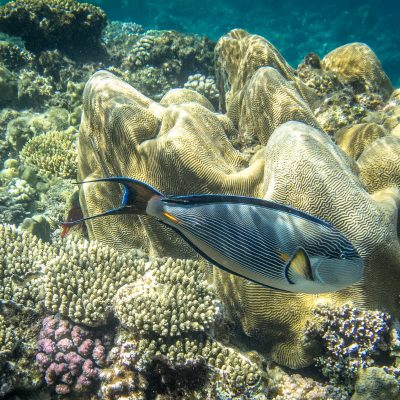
(134, 199)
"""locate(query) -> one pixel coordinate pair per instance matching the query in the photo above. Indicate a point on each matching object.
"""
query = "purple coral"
(69, 355)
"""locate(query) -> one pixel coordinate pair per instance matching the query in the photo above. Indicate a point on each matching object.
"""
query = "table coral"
(52, 153)
(68, 25)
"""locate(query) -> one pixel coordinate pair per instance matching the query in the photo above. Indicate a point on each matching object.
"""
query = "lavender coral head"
(69, 356)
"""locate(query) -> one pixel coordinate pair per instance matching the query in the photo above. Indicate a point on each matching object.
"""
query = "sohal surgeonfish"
(265, 242)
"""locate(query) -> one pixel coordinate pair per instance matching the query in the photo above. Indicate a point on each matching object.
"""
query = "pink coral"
(69, 355)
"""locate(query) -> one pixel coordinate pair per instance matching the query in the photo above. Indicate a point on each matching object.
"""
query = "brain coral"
(182, 148)
(263, 89)
(355, 138)
(357, 65)
(68, 25)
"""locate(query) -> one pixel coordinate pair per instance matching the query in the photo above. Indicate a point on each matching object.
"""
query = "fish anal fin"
(299, 267)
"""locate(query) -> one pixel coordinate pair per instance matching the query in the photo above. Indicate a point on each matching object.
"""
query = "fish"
(265, 242)
(74, 213)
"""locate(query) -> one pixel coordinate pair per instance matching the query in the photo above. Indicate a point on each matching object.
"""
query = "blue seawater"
(294, 27)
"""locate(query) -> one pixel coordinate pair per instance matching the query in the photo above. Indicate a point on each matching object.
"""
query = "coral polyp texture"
(82, 279)
(182, 147)
(52, 153)
(70, 356)
(68, 25)
(170, 300)
(352, 340)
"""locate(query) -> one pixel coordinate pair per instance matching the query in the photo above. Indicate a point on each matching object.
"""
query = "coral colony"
(122, 308)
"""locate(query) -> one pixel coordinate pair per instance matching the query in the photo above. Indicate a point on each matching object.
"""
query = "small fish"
(265, 242)
(74, 213)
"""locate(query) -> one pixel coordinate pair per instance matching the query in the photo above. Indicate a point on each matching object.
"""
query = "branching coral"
(82, 278)
(21, 258)
(352, 340)
(52, 153)
(170, 300)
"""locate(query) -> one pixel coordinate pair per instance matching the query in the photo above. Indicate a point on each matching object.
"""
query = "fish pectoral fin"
(298, 268)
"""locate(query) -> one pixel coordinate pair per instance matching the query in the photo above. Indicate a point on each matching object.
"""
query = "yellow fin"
(299, 267)
(170, 217)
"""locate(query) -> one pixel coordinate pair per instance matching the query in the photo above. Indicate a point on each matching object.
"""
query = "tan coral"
(21, 258)
(263, 89)
(354, 139)
(52, 153)
(83, 277)
(380, 164)
(159, 137)
(184, 148)
(356, 64)
(171, 299)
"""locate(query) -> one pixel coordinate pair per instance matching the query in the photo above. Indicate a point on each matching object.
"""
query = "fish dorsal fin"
(298, 268)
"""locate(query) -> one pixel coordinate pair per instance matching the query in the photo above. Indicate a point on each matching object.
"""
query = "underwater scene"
(199, 200)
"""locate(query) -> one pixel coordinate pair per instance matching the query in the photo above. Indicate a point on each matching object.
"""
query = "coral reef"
(204, 85)
(356, 65)
(70, 356)
(151, 304)
(191, 366)
(290, 386)
(298, 162)
(352, 340)
(375, 384)
(8, 87)
(21, 259)
(81, 280)
(52, 153)
(355, 138)
(68, 25)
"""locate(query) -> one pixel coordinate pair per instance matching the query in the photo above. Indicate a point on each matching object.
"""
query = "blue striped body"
(254, 239)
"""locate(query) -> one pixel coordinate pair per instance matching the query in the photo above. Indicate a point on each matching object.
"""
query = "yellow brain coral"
(355, 138)
(182, 148)
(356, 64)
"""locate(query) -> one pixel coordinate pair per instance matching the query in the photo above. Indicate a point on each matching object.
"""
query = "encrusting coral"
(352, 340)
(52, 153)
(68, 25)
(174, 143)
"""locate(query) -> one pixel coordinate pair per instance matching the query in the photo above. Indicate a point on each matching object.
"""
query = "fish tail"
(135, 198)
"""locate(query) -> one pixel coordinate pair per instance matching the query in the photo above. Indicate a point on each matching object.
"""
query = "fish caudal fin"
(134, 199)
(298, 267)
